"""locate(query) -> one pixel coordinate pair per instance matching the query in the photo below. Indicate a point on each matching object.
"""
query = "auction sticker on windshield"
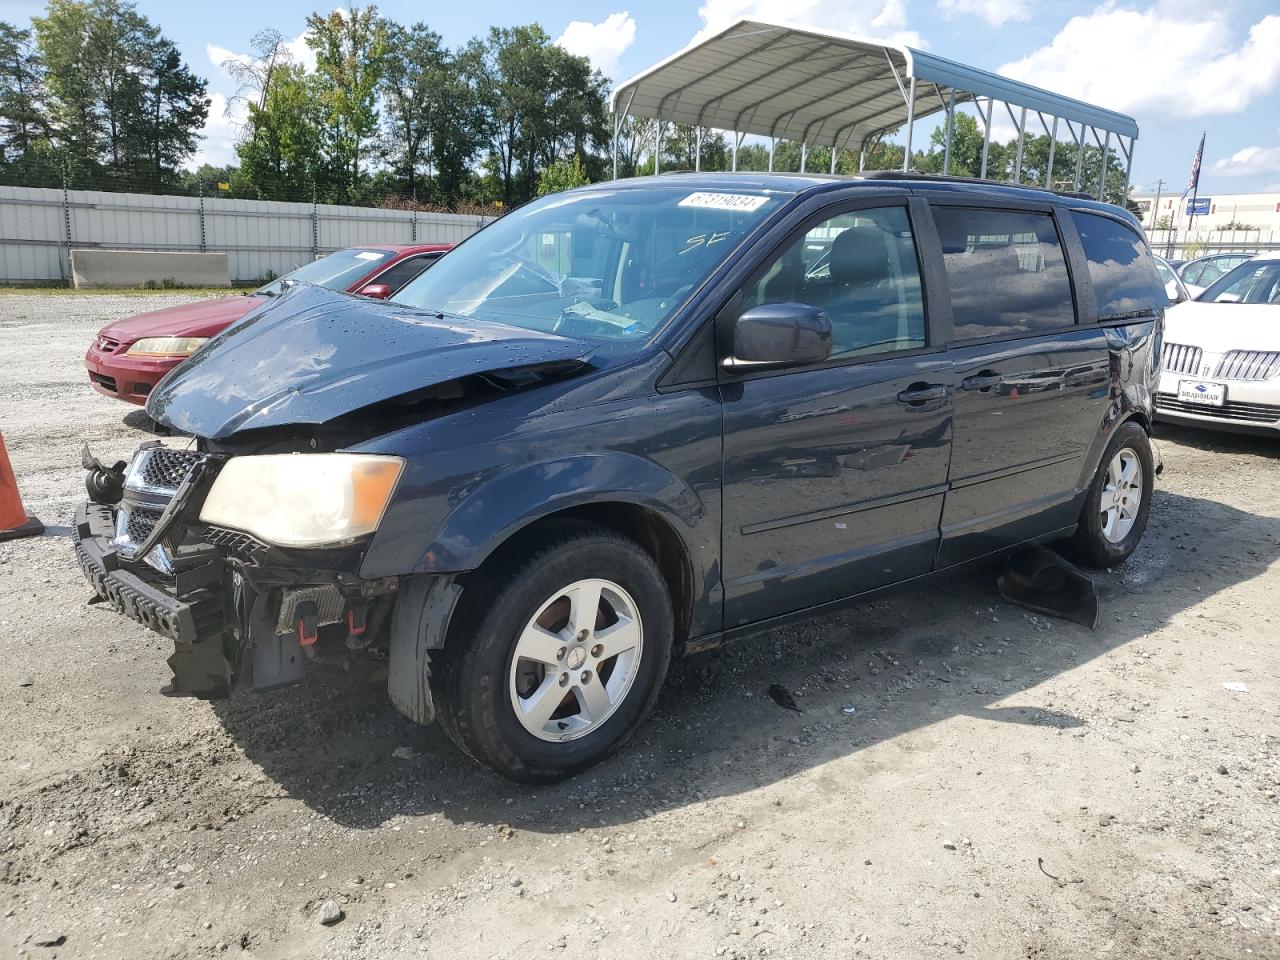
(724, 201)
(1203, 393)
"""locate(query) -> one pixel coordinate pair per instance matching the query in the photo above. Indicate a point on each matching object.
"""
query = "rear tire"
(557, 657)
(1116, 507)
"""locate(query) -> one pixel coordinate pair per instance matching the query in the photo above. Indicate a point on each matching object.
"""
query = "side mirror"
(1173, 292)
(780, 335)
(375, 291)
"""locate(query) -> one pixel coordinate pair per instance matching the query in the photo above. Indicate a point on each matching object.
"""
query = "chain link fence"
(1189, 244)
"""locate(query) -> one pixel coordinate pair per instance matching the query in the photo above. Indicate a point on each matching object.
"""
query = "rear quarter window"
(1125, 280)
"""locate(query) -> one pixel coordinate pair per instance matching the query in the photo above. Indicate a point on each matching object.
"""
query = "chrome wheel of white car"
(576, 660)
(1121, 495)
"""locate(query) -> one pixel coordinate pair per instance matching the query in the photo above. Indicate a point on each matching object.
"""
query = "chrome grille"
(164, 468)
(1181, 358)
(1249, 365)
(1231, 410)
(139, 522)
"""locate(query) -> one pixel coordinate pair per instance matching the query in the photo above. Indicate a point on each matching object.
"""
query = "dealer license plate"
(1206, 393)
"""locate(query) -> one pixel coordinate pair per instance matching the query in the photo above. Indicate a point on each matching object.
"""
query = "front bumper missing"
(188, 609)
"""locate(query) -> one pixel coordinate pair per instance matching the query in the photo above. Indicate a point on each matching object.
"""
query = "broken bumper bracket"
(194, 620)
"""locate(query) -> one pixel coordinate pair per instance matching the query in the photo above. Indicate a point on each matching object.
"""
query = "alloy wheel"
(576, 660)
(1121, 495)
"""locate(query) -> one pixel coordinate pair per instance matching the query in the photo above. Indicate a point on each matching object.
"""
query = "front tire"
(1115, 510)
(559, 655)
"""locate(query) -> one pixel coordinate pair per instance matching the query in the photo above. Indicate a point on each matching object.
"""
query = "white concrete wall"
(148, 268)
(257, 236)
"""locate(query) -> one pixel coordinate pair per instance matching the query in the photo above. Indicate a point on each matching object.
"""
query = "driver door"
(834, 474)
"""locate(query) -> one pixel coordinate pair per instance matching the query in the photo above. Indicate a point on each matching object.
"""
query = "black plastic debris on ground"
(1046, 582)
(783, 698)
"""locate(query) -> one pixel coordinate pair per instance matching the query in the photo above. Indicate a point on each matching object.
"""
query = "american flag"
(1193, 184)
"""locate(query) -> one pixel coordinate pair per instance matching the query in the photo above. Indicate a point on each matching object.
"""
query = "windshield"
(607, 264)
(1255, 282)
(337, 271)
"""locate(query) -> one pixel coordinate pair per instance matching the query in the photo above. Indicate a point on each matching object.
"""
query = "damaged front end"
(234, 607)
(246, 549)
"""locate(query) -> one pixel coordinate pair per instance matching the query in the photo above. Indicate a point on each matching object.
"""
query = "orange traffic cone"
(14, 521)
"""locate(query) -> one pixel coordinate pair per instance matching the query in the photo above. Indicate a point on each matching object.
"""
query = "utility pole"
(1155, 205)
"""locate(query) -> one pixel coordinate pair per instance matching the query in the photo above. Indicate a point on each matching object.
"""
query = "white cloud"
(1188, 65)
(995, 12)
(296, 48)
(218, 139)
(1249, 161)
(602, 43)
(882, 19)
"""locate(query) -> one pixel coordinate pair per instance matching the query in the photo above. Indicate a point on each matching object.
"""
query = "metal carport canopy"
(820, 87)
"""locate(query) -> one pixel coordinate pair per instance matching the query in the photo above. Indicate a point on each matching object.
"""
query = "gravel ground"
(1009, 786)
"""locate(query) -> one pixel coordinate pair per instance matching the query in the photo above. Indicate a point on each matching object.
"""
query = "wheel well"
(1141, 419)
(647, 528)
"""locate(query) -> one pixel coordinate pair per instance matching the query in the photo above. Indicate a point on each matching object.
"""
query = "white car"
(1221, 356)
(1174, 287)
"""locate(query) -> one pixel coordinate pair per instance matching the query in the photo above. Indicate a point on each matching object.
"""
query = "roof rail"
(951, 178)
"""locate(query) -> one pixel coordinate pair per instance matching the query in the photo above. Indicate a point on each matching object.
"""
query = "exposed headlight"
(166, 346)
(303, 499)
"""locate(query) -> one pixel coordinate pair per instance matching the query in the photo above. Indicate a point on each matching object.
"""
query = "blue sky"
(1178, 66)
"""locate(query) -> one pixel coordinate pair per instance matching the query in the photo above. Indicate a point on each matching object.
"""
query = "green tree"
(174, 107)
(433, 118)
(22, 121)
(966, 149)
(351, 48)
(415, 71)
(121, 102)
(562, 175)
(542, 104)
(682, 143)
(281, 156)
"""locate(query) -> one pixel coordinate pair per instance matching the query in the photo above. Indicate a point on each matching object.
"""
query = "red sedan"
(128, 357)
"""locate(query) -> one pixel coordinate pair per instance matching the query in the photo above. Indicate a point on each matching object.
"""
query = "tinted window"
(608, 264)
(861, 268)
(1248, 283)
(1006, 270)
(399, 274)
(1125, 281)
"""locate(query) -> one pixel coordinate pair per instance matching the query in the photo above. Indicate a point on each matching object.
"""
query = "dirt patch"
(1008, 785)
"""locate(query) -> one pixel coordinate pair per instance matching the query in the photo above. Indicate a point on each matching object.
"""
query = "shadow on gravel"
(903, 663)
(1219, 441)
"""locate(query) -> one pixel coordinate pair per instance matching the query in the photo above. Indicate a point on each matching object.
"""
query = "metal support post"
(1053, 146)
(911, 119)
(200, 187)
(1022, 135)
(1102, 167)
(986, 132)
(1080, 142)
(951, 128)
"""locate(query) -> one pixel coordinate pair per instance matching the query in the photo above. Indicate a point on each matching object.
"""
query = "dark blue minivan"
(630, 420)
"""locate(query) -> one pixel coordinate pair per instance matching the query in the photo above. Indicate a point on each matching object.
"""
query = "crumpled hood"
(204, 318)
(1221, 327)
(312, 355)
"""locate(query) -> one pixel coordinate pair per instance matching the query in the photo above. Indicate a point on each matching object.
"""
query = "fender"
(1135, 353)
(516, 498)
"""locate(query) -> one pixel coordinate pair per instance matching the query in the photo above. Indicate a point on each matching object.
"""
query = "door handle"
(983, 381)
(920, 393)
